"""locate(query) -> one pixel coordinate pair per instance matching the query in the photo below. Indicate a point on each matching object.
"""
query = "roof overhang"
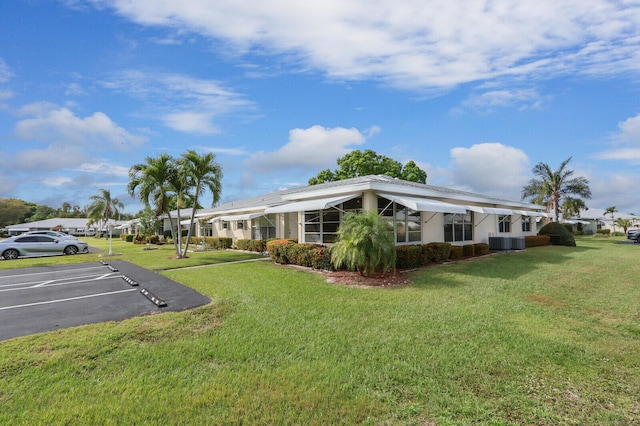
(423, 204)
(310, 205)
(236, 217)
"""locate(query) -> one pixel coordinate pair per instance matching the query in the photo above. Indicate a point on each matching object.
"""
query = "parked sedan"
(633, 234)
(54, 234)
(39, 245)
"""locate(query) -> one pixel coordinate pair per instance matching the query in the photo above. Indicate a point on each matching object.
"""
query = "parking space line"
(52, 283)
(49, 272)
(67, 299)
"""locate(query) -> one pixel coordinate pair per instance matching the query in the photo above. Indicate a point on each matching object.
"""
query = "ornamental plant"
(364, 243)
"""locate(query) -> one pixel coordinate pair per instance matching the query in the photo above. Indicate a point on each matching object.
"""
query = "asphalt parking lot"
(40, 299)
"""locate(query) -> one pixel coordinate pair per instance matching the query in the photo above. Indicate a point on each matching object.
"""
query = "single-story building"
(72, 226)
(417, 213)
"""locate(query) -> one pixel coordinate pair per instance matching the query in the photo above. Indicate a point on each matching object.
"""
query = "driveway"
(40, 299)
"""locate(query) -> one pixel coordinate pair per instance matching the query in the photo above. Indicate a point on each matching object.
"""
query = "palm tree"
(572, 206)
(364, 243)
(102, 209)
(202, 173)
(551, 186)
(612, 211)
(154, 179)
(623, 223)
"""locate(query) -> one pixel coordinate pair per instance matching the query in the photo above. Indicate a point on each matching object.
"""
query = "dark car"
(633, 234)
(39, 245)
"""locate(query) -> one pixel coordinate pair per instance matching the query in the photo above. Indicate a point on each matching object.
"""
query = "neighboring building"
(417, 213)
(72, 226)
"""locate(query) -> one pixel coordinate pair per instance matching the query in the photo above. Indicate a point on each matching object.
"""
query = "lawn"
(158, 258)
(549, 335)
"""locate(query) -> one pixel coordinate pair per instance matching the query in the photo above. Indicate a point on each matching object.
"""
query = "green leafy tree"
(364, 244)
(550, 186)
(13, 211)
(148, 224)
(154, 181)
(202, 173)
(368, 162)
(102, 209)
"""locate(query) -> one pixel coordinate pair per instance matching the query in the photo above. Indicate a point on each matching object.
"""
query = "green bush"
(481, 249)
(409, 256)
(578, 233)
(129, 238)
(435, 252)
(456, 252)
(559, 235)
(468, 250)
(604, 231)
(618, 234)
(322, 258)
(214, 243)
(536, 240)
(252, 245)
(278, 252)
(569, 227)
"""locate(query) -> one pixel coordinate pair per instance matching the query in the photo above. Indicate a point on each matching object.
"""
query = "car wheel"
(10, 254)
(71, 250)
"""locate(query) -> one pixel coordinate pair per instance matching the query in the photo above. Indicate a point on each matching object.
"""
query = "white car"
(54, 234)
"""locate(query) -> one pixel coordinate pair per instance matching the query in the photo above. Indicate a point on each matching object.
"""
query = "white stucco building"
(418, 213)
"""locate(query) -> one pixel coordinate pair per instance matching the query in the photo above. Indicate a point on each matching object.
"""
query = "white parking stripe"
(50, 284)
(33, 284)
(66, 300)
(49, 272)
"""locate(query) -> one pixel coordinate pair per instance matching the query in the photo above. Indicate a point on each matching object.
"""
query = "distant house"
(417, 213)
(72, 226)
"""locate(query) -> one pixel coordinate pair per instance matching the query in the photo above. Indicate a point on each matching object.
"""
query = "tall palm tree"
(202, 173)
(572, 206)
(102, 209)
(154, 180)
(549, 186)
(612, 211)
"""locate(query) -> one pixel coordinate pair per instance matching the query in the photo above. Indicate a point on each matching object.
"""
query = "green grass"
(546, 336)
(159, 258)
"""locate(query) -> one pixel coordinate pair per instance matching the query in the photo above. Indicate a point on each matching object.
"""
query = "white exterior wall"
(432, 227)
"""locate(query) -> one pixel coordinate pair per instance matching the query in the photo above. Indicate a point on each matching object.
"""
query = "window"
(405, 223)
(504, 223)
(264, 227)
(239, 225)
(526, 223)
(458, 227)
(224, 225)
(321, 226)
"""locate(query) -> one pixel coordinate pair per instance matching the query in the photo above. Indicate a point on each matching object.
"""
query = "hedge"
(468, 250)
(435, 252)
(481, 249)
(536, 240)
(408, 257)
(216, 243)
(456, 253)
(259, 246)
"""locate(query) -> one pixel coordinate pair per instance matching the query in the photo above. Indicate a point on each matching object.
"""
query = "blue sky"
(475, 92)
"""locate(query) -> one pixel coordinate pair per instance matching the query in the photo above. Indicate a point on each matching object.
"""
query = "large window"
(458, 227)
(264, 227)
(405, 223)
(526, 223)
(504, 223)
(321, 226)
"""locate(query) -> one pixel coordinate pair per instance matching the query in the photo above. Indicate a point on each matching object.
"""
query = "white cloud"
(5, 72)
(68, 139)
(626, 143)
(57, 181)
(201, 102)
(615, 190)
(415, 44)
(103, 167)
(313, 149)
(490, 168)
(489, 101)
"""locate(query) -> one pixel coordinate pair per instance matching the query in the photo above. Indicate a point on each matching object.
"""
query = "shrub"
(167, 234)
(456, 252)
(578, 233)
(129, 238)
(604, 231)
(569, 227)
(536, 240)
(322, 258)
(468, 250)
(618, 234)
(559, 235)
(278, 250)
(481, 249)
(365, 243)
(409, 256)
(216, 243)
(252, 245)
(435, 252)
(152, 239)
